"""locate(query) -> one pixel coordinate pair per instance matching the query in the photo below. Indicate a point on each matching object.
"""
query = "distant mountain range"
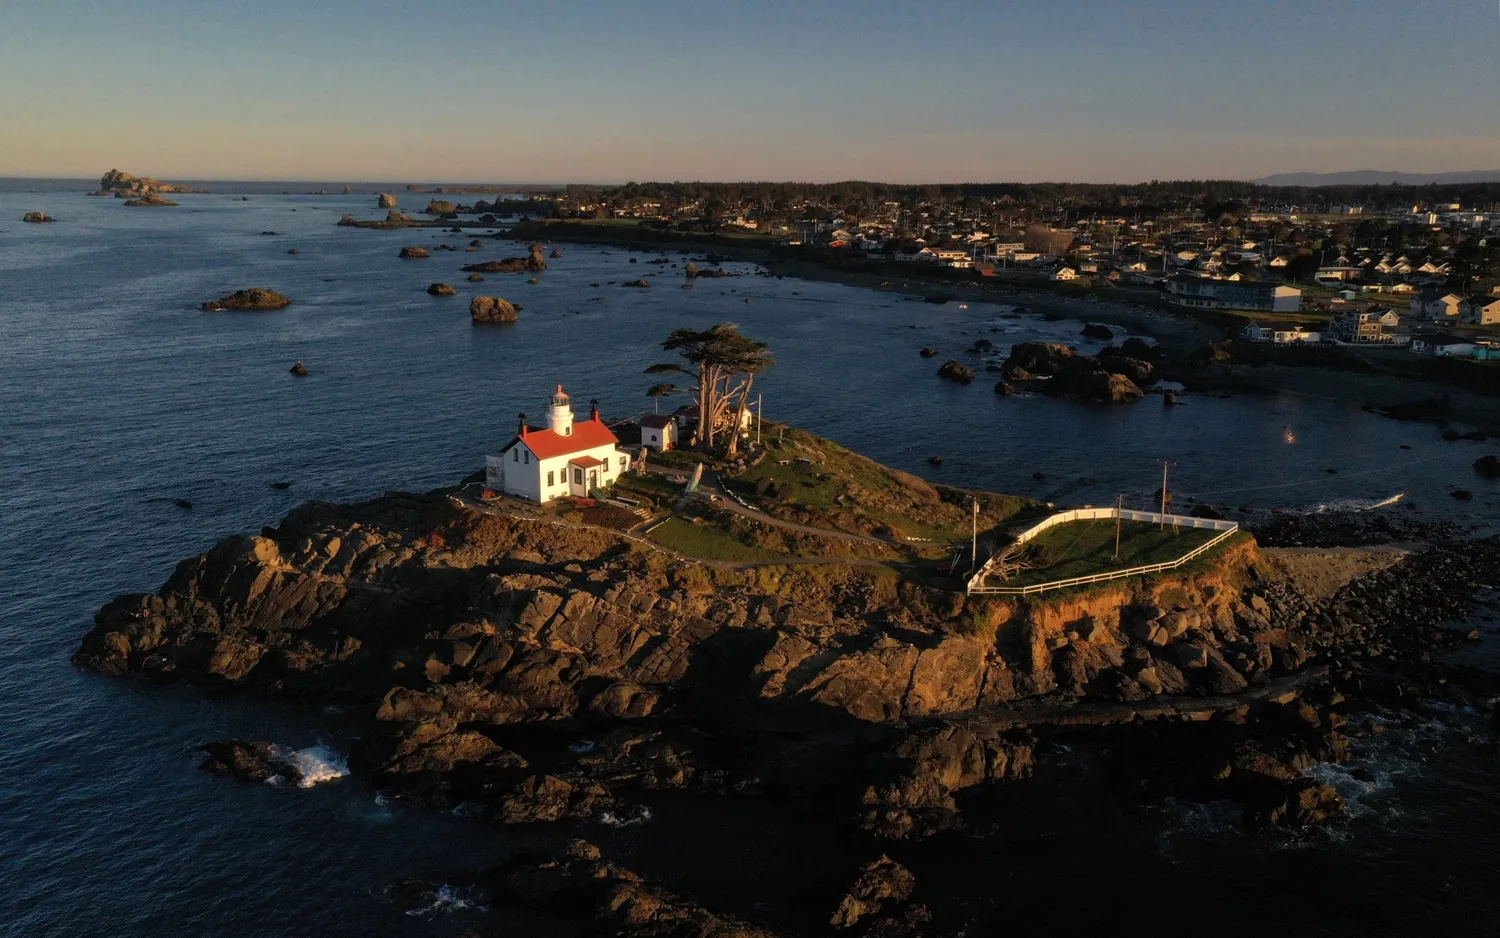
(1378, 177)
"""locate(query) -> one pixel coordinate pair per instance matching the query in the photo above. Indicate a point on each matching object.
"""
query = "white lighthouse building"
(566, 457)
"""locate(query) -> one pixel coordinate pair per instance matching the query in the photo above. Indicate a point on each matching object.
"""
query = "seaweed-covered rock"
(253, 299)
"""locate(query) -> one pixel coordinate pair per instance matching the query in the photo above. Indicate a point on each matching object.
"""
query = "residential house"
(1481, 310)
(1361, 327)
(1063, 273)
(1225, 294)
(1436, 306)
(1441, 343)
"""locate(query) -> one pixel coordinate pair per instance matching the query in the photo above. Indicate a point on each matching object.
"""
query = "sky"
(913, 91)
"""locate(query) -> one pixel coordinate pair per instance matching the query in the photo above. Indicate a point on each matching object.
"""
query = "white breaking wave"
(315, 763)
(449, 899)
(626, 818)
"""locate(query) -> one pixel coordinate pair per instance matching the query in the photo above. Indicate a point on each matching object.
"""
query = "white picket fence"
(1226, 529)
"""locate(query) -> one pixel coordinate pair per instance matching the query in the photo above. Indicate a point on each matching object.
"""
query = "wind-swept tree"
(723, 365)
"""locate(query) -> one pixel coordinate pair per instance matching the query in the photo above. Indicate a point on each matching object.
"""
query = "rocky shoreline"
(539, 672)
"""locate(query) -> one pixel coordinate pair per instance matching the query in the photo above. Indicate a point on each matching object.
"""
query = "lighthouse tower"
(560, 414)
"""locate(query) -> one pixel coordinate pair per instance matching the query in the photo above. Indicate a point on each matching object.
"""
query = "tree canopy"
(722, 364)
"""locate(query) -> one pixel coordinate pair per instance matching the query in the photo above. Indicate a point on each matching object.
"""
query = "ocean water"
(118, 398)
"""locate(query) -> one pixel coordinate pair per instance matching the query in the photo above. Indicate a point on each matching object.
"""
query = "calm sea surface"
(118, 398)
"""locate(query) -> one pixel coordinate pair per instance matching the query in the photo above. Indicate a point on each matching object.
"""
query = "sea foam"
(315, 763)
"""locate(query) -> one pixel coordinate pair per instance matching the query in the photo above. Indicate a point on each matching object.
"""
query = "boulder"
(36, 218)
(1004, 388)
(635, 283)
(1488, 466)
(298, 369)
(149, 200)
(880, 885)
(555, 254)
(491, 309)
(441, 289)
(439, 207)
(956, 371)
(248, 761)
(412, 252)
(1297, 805)
(1094, 330)
(385, 200)
(253, 299)
(928, 352)
(476, 278)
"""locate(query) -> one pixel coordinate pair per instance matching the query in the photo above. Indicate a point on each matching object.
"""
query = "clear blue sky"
(926, 91)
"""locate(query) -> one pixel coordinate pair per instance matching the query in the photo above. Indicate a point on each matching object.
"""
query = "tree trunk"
(739, 416)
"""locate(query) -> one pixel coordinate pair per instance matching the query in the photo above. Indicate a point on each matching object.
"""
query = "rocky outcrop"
(253, 299)
(123, 185)
(491, 309)
(1060, 371)
(914, 780)
(512, 265)
(956, 371)
(441, 289)
(413, 252)
(385, 200)
(149, 200)
(587, 892)
(298, 369)
(440, 207)
(635, 283)
(36, 218)
(393, 219)
(247, 761)
(878, 903)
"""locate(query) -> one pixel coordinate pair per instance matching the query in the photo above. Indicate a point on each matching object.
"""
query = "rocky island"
(250, 300)
(144, 189)
(819, 654)
(512, 265)
(36, 218)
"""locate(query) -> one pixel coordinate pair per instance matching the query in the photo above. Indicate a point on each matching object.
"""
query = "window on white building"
(606, 466)
(515, 455)
(577, 476)
(549, 480)
(622, 463)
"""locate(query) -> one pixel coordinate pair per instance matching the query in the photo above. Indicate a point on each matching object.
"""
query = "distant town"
(1413, 268)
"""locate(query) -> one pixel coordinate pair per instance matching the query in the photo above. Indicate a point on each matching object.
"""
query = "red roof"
(585, 462)
(587, 434)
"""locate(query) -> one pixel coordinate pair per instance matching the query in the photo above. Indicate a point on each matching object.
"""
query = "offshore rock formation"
(413, 252)
(492, 309)
(956, 371)
(441, 289)
(122, 185)
(512, 265)
(1065, 373)
(385, 200)
(150, 199)
(36, 218)
(253, 299)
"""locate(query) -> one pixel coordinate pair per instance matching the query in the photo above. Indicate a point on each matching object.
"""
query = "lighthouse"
(560, 413)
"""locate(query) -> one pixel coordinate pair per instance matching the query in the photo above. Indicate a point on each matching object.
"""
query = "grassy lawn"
(706, 541)
(1083, 548)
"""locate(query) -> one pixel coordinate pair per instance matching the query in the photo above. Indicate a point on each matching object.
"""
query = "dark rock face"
(254, 299)
(928, 352)
(956, 371)
(914, 781)
(246, 761)
(635, 283)
(602, 898)
(555, 254)
(1095, 330)
(37, 218)
(413, 252)
(877, 902)
(299, 369)
(1069, 374)
(1488, 466)
(491, 309)
(441, 289)
(1004, 388)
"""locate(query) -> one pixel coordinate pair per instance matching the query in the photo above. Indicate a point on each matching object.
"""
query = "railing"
(1226, 530)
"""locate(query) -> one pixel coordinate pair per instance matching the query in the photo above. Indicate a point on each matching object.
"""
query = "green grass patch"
(706, 541)
(1084, 548)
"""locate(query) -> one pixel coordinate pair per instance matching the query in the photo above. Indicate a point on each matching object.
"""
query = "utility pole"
(1119, 511)
(760, 415)
(974, 538)
(1163, 494)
